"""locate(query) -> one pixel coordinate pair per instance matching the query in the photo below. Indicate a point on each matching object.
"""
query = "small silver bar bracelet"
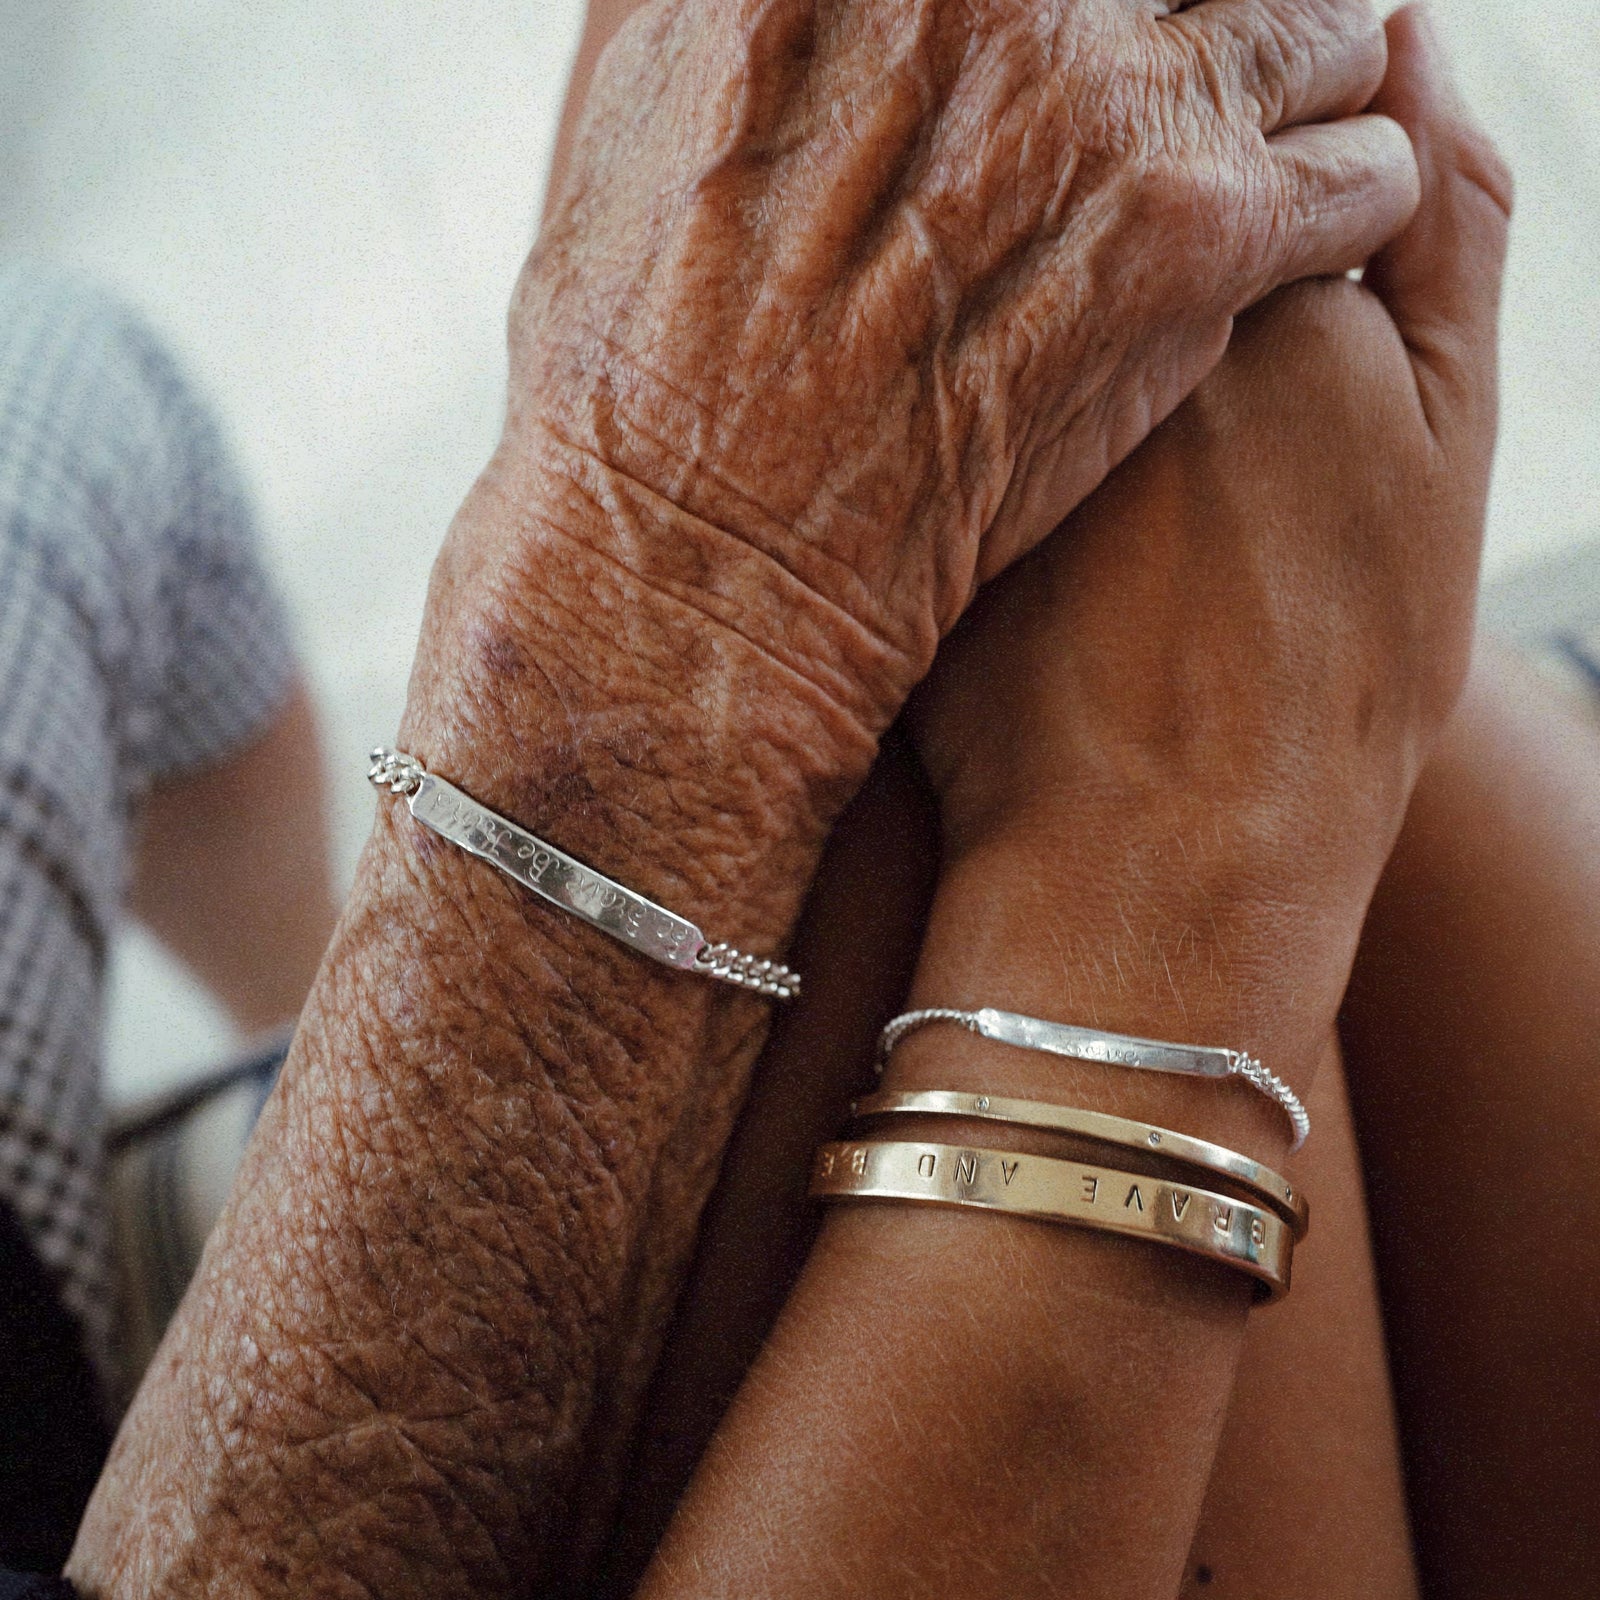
(564, 881)
(1115, 1049)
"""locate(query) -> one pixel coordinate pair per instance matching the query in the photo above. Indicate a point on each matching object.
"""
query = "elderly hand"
(876, 293)
(1199, 712)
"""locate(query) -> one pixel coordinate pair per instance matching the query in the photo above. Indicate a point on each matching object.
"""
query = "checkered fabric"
(139, 638)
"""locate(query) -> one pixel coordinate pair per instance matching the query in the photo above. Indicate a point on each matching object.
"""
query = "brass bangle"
(1227, 1231)
(1273, 1188)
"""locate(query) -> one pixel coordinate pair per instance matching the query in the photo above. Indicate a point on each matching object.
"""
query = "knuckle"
(1196, 204)
(1223, 217)
(1277, 60)
(1224, 69)
(1130, 107)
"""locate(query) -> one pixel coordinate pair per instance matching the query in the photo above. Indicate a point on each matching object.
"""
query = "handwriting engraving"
(1103, 1050)
(557, 877)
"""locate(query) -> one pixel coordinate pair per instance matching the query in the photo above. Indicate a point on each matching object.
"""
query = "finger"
(1440, 278)
(1292, 61)
(1343, 190)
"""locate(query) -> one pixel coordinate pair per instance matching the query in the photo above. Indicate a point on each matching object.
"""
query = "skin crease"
(1059, 1396)
(703, 569)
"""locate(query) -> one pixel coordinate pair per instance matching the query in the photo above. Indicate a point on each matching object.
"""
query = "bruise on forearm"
(469, 1203)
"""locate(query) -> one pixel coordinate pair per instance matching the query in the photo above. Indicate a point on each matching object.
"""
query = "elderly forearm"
(465, 1210)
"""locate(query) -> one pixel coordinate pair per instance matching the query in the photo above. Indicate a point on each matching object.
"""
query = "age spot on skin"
(501, 655)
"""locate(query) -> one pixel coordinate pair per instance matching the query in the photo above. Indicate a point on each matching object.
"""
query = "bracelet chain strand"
(566, 882)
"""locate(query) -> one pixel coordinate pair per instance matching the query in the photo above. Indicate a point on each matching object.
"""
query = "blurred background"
(322, 205)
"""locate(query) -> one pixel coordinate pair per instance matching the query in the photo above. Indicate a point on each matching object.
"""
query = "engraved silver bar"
(554, 875)
(1088, 1044)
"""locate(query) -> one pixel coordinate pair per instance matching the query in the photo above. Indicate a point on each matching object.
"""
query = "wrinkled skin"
(883, 290)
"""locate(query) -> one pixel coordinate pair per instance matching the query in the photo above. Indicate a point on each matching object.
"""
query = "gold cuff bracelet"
(1228, 1231)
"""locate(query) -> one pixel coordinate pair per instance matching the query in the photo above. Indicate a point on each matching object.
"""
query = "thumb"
(1440, 278)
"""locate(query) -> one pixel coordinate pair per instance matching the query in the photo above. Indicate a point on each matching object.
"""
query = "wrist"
(1138, 924)
(762, 575)
(653, 697)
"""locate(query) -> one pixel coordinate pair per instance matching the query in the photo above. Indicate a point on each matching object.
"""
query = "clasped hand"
(882, 291)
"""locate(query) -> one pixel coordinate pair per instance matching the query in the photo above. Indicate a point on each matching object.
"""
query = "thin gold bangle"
(1273, 1188)
(1221, 1229)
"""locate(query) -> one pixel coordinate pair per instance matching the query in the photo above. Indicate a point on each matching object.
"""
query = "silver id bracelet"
(563, 881)
(1116, 1049)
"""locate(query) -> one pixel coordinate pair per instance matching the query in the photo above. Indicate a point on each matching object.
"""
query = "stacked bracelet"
(1256, 1235)
(566, 882)
(1197, 1155)
(1215, 1226)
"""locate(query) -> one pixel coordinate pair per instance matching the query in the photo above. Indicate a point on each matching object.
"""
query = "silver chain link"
(1269, 1083)
(399, 774)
